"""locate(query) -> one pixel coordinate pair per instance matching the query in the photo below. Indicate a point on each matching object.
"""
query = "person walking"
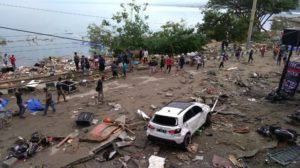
(162, 63)
(95, 59)
(12, 60)
(99, 89)
(279, 57)
(87, 65)
(181, 62)
(20, 104)
(125, 69)
(263, 50)
(114, 69)
(82, 63)
(152, 66)
(222, 60)
(49, 102)
(238, 53)
(250, 60)
(101, 63)
(60, 91)
(169, 63)
(51, 66)
(202, 60)
(5, 60)
(198, 61)
(76, 61)
(275, 52)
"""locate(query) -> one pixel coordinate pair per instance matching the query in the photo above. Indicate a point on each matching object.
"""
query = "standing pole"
(251, 23)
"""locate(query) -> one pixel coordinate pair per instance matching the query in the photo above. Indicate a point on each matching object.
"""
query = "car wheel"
(187, 140)
(208, 120)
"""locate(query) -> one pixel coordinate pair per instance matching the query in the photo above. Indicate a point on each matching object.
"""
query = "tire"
(187, 140)
(208, 120)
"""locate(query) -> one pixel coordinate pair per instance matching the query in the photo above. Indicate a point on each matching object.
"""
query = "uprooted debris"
(143, 115)
(281, 134)
(105, 134)
(193, 148)
(219, 161)
(24, 149)
(285, 156)
(295, 118)
(156, 162)
(240, 83)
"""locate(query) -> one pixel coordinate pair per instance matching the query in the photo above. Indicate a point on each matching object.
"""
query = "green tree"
(222, 25)
(126, 30)
(265, 8)
(175, 38)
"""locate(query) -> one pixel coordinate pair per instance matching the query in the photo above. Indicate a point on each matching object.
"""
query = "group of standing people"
(120, 65)
(166, 64)
(48, 99)
(6, 59)
(280, 53)
(84, 63)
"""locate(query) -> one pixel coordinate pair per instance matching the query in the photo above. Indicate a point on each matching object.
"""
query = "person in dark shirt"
(162, 63)
(114, 69)
(49, 102)
(60, 91)
(99, 89)
(20, 104)
(222, 60)
(76, 60)
(101, 63)
(82, 63)
(181, 62)
(250, 60)
(87, 64)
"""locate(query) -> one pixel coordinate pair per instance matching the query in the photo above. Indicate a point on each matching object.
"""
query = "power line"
(62, 12)
(52, 11)
(39, 45)
(21, 51)
(50, 35)
(19, 35)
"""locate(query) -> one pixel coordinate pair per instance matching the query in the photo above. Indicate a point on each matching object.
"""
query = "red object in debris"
(50, 139)
(210, 90)
(107, 120)
(219, 161)
(101, 132)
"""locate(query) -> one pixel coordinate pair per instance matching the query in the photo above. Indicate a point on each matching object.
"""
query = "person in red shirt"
(169, 63)
(12, 60)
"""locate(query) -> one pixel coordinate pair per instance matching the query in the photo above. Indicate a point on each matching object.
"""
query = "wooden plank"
(95, 150)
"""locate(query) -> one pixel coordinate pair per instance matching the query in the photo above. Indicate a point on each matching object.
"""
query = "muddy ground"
(140, 91)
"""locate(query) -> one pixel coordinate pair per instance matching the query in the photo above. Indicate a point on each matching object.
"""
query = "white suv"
(177, 122)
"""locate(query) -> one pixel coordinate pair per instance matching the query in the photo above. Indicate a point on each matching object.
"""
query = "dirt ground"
(140, 91)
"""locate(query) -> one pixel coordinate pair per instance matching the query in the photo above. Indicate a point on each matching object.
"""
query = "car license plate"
(161, 130)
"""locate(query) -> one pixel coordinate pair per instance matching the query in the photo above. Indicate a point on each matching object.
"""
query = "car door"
(190, 120)
(199, 116)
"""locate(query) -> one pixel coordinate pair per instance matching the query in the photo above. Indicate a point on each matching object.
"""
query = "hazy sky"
(159, 13)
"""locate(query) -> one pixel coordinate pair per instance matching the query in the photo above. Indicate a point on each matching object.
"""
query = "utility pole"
(251, 23)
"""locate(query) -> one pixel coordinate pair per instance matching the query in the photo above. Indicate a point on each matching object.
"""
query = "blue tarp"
(3, 104)
(34, 105)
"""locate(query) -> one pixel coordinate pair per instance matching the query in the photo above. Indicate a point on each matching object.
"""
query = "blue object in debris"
(34, 105)
(135, 62)
(3, 104)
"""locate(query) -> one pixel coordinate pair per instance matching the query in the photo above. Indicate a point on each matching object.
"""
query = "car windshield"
(164, 120)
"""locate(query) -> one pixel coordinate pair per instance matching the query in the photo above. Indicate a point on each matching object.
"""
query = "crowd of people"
(6, 59)
(119, 67)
